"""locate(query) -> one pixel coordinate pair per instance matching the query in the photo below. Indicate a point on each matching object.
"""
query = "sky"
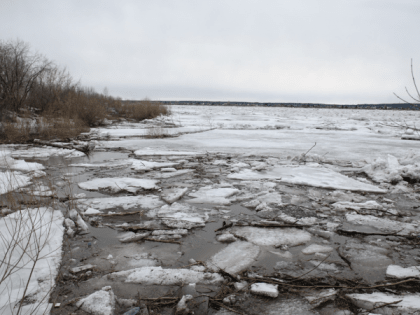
(327, 51)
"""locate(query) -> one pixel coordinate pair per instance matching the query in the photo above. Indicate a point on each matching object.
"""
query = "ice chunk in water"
(160, 276)
(399, 272)
(315, 248)
(212, 195)
(99, 303)
(265, 289)
(274, 237)
(410, 303)
(311, 176)
(115, 184)
(235, 257)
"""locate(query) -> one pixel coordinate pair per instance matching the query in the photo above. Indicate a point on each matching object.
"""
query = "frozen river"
(225, 210)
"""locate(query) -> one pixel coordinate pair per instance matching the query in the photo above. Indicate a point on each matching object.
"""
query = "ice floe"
(273, 237)
(234, 258)
(115, 184)
(399, 272)
(265, 289)
(311, 176)
(213, 195)
(173, 194)
(160, 276)
(101, 302)
(315, 248)
(126, 202)
(365, 255)
(384, 225)
(409, 303)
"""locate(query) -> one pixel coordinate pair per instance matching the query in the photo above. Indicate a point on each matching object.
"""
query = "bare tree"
(19, 71)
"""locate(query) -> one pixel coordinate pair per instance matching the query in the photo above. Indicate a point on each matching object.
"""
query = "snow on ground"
(33, 232)
(115, 185)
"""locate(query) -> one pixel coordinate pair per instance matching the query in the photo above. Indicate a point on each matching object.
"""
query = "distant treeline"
(393, 106)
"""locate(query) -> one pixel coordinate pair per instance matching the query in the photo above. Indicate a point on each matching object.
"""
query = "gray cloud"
(312, 51)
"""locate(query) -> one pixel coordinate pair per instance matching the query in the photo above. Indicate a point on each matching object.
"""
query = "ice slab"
(173, 194)
(180, 216)
(315, 248)
(10, 181)
(110, 164)
(410, 303)
(384, 225)
(265, 289)
(346, 205)
(141, 165)
(115, 184)
(311, 176)
(235, 257)
(273, 236)
(399, 272)
(365, 255)
(22, 165)
(160, 276)
(157, 152)
(126, 202)
(101, 302)
(212, 195)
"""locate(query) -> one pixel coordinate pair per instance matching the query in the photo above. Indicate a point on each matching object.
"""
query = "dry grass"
(141, 110)
(157, 132)
(41, 128)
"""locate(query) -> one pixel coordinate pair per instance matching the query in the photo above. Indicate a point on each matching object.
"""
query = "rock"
(265, 289)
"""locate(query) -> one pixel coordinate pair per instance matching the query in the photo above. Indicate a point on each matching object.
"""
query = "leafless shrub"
(28, 222)
(157, 132)
(415, 98)
(141, 110)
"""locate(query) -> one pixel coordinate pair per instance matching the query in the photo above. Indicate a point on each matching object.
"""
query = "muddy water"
(200, 244)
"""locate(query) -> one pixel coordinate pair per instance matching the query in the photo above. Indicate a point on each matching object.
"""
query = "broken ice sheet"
(126, 202)
(181, 216)
(310, 176)
(115, 184)
(234, 258)
(409, 303)
(274, 236)
(213, 195)
(399, 272)
(160, 276)
(385, 225)
(173, 194)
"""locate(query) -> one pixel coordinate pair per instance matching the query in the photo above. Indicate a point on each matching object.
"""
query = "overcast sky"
(331, 51)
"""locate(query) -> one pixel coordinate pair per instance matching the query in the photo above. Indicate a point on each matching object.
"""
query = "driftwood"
(162, 241)
(84, 149)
